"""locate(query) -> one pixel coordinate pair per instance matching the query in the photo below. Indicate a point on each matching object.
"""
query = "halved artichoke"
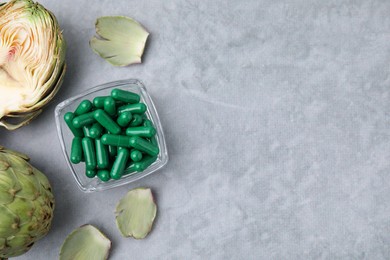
(32, 61)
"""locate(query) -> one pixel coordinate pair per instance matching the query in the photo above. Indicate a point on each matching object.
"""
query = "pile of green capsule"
(112, 135)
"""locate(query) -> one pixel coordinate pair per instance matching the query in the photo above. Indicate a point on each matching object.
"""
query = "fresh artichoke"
(135, 213)
(32, 61)
(26, 204)
(85, 242)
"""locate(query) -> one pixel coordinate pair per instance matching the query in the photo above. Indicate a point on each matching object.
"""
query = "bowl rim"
(145, 94)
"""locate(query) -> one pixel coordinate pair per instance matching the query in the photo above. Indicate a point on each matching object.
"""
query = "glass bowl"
(65, 135)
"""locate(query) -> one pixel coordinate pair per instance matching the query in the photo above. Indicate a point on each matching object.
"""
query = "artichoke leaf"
(42, 179)
(2, 243)
(24, 240)
(21, 155)
(121, 40)
(30, 185)
(9, 224)
(4, 164)
(85, 242)
(22, 208)
(135, 213)
(25, 120)
(18, 164)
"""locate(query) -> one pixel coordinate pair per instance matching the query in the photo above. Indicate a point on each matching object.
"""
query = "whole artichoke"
(32, 61)
(26, 204)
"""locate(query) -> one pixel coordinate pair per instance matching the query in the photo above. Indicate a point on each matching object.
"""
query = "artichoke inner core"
(29, 55)
(14, 87)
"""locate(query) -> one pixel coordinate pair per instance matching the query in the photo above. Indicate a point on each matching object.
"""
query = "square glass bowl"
(65, 135)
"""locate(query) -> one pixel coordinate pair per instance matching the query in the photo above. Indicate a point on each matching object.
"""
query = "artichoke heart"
(32, 61)
(122, 40)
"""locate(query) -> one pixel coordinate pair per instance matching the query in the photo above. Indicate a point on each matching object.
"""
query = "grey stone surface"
(276, 115)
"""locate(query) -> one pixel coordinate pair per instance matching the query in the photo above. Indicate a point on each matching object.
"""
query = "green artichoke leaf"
(6, 197)
(85, 242)
(8, 185)
(33, 227)
(9, 224)
(121, 40)
(18, 240)
(4, 165)
(22, 208)
(42, 179)
(135, 213)
(7, 179)
(19, 165)
(21, 155)
(2, 243)
(10, 252)
(30, 185)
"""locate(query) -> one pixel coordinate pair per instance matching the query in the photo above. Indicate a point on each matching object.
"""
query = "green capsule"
(84, 107)
(143, 145)
(116, 140)
(125, 96)
(68, 117)
(145, 163)
(143, 131)
(109, 106)
(89, 153)
(152, 139)
(104, 175)
(86, 130)
(137, 120)
(119, 103)
(119, 164)
(84, 119)
(124, 119)
(129, 171)
(138, 108)
(141, 165)
(130, 168)
(102, 158)
(147, 122)
(98, 102)
(90, 173)
(105, 120)
(135, 155)
(76, 154)
(96, 130)
(112, 150)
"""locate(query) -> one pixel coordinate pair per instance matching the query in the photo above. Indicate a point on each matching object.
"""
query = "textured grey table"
(276, 115)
